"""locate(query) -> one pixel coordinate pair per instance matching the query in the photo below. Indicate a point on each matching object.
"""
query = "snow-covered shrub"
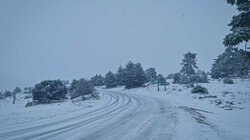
(180, 79)
(198, 78)
(7, 94)
(199, 89)
(191, 79)
(28, 90)
(49, 90)
(73, 85)
(189, 85)
(228, 81)
(83, 87)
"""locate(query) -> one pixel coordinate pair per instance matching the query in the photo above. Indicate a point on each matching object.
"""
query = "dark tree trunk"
(246, 46)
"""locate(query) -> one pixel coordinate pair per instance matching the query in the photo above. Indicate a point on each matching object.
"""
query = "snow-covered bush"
(191, 79)
(180, 79)
(73, 85)
(199, 89)
(83, 87)
(198, 78)
(28, 90)
(49, 90)
(7, 94)
(228, 81)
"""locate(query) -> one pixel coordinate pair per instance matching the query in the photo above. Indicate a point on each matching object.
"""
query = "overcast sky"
(65, 39)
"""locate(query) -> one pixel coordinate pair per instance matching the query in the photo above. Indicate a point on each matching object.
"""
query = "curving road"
(121, 116)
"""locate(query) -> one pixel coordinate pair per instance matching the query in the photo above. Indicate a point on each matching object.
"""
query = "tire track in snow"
(126, 116)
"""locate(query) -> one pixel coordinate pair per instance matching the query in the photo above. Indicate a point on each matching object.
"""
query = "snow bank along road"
(122, 116)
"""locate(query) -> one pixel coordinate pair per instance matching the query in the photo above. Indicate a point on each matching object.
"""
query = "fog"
(65, 39)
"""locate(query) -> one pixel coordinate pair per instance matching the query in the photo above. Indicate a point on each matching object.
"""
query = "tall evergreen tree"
(233, 62)
(240, 24)
(135, 76)
(121, 76)
(151, 74)
(110, 80)
(97, 80)
(189, 64)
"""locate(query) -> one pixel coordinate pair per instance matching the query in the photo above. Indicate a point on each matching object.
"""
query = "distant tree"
(83, 87)
(233, 62)
(160, 76)
(16, 90)
(1, 95)
(240, 24)
(49, 90)
(198, 77)
(110, 80)
(187, 75)
(7, 93)
(170, 76)
(98, 80)
(189, 64)
(181, 79)
(28, 90)
(65, 82)
(135, 75)
(121, 76)
(73, 85)
(151, 74)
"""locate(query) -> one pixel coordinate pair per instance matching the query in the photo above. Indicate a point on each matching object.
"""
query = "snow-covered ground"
(11, 114)
(141, 113)
(227, 115)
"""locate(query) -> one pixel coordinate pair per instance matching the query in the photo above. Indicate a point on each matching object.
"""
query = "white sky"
(65, 39)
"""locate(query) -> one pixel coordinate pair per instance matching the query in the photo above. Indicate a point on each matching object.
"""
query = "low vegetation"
(49, 90)
(199, 90)
(228, 81)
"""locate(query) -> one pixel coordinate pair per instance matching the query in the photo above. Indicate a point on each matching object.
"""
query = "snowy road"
(121, 116)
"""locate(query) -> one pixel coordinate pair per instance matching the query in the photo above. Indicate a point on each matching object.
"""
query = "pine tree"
(135, 75)
(73, 85)
(121, 76)
(189, 63)
(98, 80)
(151, 74)
(240, 24)
(110, 80)
(160, 76)
(233, 62)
